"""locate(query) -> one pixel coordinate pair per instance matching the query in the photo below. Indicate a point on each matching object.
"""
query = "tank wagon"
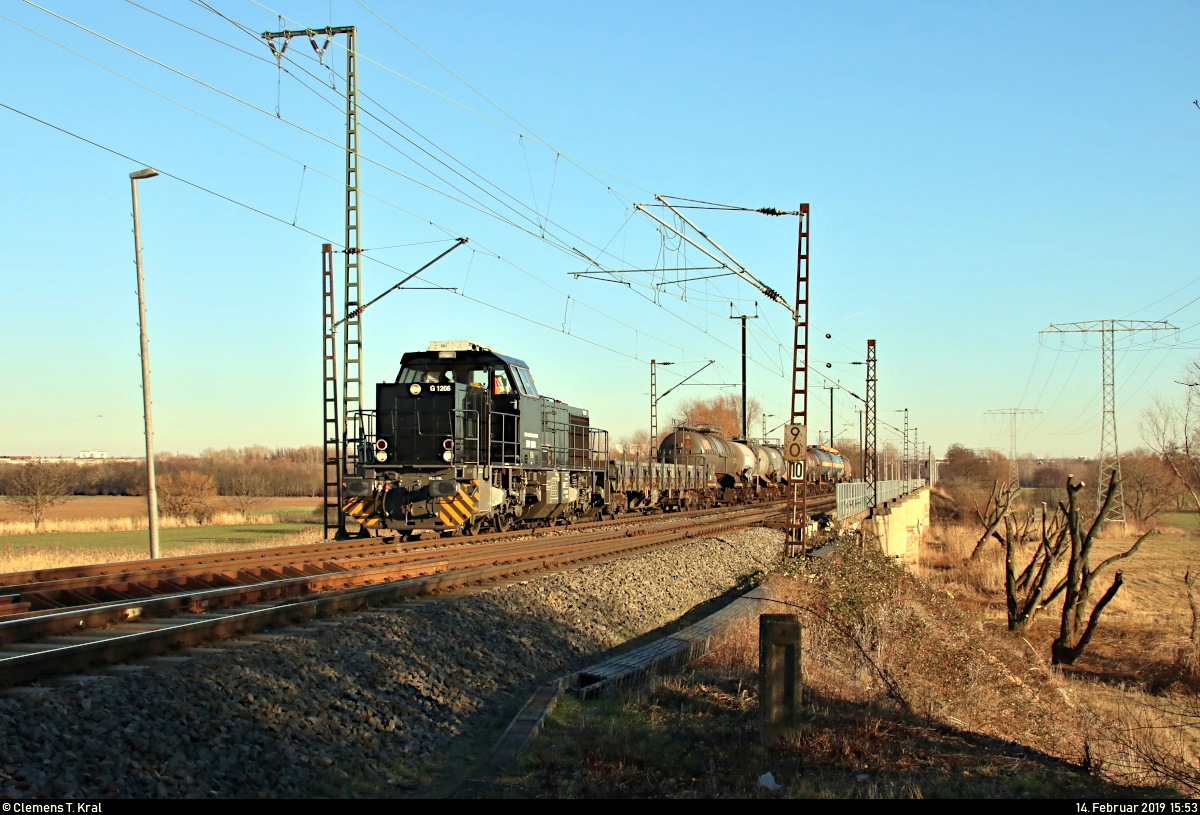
(742, 464)
(462, 441)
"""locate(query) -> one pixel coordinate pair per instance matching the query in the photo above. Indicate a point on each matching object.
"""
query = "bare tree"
(1027, 592)
(1193, 658)
(247, 490)
(632, 444)
(38, 485)
(1149, 484)
(1173, 432)
(1077, 626)
(723, 410)
(187, 493)
(994, 513)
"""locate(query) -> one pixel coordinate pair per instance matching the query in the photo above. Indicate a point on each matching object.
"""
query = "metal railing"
(852, 497)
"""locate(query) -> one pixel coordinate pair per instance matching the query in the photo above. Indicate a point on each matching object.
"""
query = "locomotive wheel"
(502, 523)
(472, 526)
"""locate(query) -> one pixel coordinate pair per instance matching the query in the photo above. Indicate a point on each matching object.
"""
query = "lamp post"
(151, 489)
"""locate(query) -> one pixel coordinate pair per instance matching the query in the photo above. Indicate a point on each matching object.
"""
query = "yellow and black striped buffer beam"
(458, 508)
(367, 511)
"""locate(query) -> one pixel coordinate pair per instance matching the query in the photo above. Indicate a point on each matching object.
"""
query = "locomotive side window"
(525, 381)
(501, 385)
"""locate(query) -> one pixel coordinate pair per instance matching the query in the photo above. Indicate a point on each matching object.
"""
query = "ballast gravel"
(353, 706)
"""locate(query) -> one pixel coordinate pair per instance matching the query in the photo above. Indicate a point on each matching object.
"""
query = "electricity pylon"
(1110, 455)
(1014, 475)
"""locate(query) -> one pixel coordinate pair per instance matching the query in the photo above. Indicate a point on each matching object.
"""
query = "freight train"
(462, 441)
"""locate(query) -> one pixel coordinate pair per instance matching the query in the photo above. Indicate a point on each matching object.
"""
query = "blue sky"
(976, 172)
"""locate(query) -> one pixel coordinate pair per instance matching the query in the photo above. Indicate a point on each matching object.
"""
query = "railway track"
(72, 619)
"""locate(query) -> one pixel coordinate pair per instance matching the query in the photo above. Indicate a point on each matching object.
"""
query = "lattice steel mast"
(333, 519)
(352, 338)
(870, 434)
(798, 492)
(1110, 454)
(653, 403)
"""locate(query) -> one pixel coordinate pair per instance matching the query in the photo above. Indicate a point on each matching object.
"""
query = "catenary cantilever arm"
(362, 308)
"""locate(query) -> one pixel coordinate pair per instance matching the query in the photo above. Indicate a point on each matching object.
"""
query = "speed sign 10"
(795, 442)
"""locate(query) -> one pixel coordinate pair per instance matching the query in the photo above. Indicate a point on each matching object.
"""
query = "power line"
(366, 158)
(311, 133)
(66, 132)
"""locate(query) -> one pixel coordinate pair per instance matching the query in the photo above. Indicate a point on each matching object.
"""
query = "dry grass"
(121, 513)
(909, 692)
(1144, 629)
(1133, 691)
(41, 556)
(129, 524)
(129, 506)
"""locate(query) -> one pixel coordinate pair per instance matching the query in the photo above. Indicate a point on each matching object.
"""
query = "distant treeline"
(284, 471)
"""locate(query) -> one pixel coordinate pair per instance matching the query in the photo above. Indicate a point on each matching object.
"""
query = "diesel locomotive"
(463, 441)
(463, 438)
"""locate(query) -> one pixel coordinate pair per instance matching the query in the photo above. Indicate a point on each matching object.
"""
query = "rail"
(852, 498)
(139, 608)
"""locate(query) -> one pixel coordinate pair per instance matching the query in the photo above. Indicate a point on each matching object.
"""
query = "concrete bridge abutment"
(900, 525)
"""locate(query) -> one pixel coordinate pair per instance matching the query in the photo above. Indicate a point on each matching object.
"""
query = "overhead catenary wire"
(302, 164)
(579, 163)
(367, 158)
(285, 222)
(538, 218)
(178, 178)
(251, 105)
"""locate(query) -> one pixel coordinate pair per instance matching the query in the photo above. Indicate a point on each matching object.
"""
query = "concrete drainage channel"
(360, 705)
(664, 656)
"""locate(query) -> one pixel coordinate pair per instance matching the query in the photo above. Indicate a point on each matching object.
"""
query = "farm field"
(55, 549)
(1180, 520)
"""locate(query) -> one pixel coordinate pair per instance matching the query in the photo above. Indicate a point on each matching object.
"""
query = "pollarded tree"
(1077, 625)
(994, 513)
(1030, 591)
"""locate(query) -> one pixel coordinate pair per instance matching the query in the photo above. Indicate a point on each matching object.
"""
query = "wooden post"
(779, 679)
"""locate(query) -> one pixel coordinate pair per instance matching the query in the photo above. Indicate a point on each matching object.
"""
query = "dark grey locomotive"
(463, 437)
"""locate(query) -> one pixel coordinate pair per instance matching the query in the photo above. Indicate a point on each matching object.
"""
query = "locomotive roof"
(481, 354)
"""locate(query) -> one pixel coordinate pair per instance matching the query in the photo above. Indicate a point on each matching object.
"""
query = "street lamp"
(152, 488)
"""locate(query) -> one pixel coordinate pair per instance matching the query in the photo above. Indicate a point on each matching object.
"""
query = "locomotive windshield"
(433, 372)
(501, 378)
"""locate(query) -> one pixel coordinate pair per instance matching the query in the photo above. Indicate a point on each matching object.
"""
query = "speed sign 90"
(795, 438)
